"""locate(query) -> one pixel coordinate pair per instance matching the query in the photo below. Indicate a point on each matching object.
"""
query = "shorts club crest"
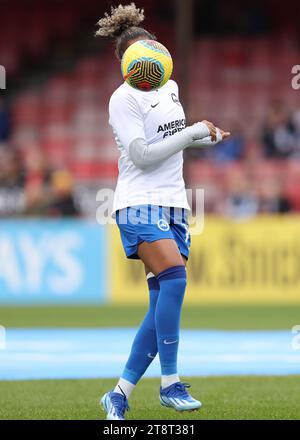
(151, 223)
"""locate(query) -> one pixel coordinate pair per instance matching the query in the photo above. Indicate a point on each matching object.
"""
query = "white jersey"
(151, 116)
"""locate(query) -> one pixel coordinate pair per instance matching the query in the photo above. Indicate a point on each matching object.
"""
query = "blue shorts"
(151, 223)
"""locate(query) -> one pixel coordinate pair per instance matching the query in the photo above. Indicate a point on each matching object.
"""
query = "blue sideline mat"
(92, 353)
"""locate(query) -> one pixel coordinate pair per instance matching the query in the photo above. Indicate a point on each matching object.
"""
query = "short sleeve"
(126, 119)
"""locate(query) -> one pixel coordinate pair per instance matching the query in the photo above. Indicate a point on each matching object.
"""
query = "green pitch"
(245, 397)
(232, 397)
(215, 317)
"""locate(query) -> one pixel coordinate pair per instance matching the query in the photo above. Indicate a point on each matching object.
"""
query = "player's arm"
(144, 155)
(201, 134)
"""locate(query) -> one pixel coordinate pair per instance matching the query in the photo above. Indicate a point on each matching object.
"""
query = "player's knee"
(175, 276)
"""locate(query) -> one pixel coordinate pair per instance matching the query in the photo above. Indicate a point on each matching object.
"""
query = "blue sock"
(172, 284)
(144, 347)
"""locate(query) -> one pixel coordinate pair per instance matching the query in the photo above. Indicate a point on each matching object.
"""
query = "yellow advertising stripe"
(255, 261)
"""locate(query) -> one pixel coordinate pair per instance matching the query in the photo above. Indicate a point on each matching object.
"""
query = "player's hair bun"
(119, 20)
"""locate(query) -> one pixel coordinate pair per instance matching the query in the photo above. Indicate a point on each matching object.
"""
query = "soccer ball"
(146, 65)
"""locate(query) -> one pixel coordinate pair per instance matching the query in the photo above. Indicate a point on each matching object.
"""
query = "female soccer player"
(151, 211)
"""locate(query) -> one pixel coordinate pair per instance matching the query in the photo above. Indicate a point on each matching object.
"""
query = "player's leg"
(143, 351)
(165, 261)
(144, 347)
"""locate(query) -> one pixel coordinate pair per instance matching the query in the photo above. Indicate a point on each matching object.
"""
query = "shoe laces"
(180, 387)
(120, 403)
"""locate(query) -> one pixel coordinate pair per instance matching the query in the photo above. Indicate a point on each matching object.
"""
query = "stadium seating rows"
(285, 174)
(67, 116)
(27, 28)
(242, 85)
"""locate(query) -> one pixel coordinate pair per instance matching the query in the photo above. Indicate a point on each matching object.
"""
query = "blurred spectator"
(62, 201)
(232, 148)
(278, 132)
(36, 200)
(296, 129)
(5, 121)
(11, 183)
(36, 167)
(242, 201)
(47, 193)
(36, 183)
(273, 199)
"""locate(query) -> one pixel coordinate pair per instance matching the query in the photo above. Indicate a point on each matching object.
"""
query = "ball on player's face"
(146, 65)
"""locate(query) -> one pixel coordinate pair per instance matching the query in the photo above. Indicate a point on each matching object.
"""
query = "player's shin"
(167, 320)
(144, 347)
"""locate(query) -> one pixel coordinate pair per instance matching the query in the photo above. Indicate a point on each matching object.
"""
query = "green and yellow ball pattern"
(146, 65)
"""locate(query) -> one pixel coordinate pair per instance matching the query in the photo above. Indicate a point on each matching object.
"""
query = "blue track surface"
(88, 353)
